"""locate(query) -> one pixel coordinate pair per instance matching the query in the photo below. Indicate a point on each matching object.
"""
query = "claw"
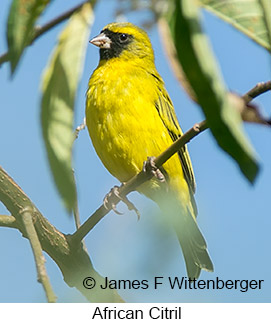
(115, 209)
(109, 204)
(131, 206)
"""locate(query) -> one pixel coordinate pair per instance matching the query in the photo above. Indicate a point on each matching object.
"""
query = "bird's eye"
(123, 37)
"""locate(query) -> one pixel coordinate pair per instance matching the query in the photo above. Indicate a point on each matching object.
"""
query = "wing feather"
(166, 112)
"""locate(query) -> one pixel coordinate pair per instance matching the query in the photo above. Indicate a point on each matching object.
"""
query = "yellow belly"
(125, 127)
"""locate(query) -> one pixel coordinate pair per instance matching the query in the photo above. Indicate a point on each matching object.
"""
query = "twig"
(8, 221)
(260, 88)
(49, 25)
(76, 214)
(38, 255)
(40, 30)
(178, 144)
(4, 58)
(82, 126)
(142, 177)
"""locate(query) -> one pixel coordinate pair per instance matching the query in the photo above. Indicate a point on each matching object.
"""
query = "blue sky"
(233, 215)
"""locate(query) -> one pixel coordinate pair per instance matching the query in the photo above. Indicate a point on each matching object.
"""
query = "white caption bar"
(145, 312)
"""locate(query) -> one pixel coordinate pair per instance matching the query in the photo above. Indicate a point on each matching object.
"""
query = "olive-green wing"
(166, 112)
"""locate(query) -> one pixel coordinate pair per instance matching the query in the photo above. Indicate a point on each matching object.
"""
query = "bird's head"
(125, 41)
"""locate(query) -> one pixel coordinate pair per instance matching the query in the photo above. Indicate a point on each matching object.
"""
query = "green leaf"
(59, 86)
(266, 10)
(22, 17)
(245, 15)
(201, 70)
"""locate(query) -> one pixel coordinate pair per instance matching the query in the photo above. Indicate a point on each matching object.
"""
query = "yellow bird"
(130, 117)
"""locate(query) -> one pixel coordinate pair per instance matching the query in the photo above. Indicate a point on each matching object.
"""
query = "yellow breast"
(123, 123)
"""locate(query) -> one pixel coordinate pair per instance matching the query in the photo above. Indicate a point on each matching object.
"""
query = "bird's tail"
(191, 239)
(182, 216)
(193, 246)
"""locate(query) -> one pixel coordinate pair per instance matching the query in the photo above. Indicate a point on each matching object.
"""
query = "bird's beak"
(101, 41)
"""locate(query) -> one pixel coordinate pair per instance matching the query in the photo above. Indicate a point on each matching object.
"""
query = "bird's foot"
(111, 198)
(150, 166)
(110, 201)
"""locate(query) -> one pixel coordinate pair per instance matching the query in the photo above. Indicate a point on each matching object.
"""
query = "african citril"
(130, 117)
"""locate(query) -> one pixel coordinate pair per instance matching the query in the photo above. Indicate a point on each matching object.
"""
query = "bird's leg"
(149, 166)
(109, 201)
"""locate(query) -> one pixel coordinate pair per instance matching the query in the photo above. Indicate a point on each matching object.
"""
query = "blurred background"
(234, 216)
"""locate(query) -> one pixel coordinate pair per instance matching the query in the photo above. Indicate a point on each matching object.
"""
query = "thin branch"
(49, 25)
(260, 88)
(37, 252)
(40, 30)
(4, 58)
(76, 215)
(8, 221)
(142, 176)
(182, 141)
(81, 127)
